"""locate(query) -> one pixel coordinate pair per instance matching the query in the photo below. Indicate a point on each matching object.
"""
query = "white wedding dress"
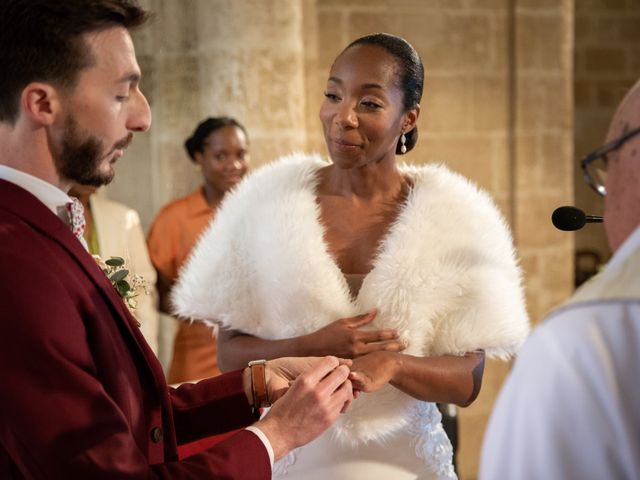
(421, 451)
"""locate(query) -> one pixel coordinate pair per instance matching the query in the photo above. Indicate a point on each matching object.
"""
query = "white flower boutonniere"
(129, 287)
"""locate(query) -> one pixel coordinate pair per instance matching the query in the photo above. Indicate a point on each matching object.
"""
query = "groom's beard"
(81, 155)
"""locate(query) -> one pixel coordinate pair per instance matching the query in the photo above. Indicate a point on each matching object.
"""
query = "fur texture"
(446, 276)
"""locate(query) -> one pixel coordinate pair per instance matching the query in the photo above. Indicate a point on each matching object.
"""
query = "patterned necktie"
(77, 223)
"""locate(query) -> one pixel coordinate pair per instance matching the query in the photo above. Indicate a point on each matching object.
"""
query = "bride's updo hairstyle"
(410, 73)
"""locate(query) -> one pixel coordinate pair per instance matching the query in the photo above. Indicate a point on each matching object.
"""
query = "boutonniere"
(129, 286)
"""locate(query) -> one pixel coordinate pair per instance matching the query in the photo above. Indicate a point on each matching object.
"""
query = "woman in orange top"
(219, 146)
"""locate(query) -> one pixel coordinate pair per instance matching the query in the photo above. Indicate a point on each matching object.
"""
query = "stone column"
(203, 58)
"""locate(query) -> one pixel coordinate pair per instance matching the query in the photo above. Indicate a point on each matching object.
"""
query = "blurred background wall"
(514, 91)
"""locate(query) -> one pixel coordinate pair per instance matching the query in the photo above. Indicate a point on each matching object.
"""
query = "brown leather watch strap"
(259, 385)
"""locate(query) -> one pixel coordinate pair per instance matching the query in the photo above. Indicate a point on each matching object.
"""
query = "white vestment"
(571, 406)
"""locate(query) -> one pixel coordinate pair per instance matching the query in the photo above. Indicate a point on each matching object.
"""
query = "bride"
(416, 264)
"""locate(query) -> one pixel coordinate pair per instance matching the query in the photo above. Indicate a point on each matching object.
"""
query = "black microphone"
(572, 218)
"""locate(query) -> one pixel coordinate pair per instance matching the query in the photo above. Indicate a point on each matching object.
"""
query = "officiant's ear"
(40, 102)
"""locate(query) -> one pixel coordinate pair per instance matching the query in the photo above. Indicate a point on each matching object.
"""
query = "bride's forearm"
(446, 379)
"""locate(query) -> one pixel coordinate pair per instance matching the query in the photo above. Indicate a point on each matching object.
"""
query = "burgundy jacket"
(81, 394)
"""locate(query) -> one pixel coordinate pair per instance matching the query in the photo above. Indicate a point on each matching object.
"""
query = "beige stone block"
(539, 42)
(558, 108)
(177, 175)
(628, 28)
(500, 5)
(502, 164)
(604, 59)
(579, 63)
(175, 26)
(557, 162)
(233, 24)
(584, 27)
(177, 92)
(453, 42)
(131, 184)
(148, 68)
(530, 264)
(411, 5)
(360, 23)
(266, 147)
(330, 38)
(489, 103)
(499, 50)
(272, 94)
(527, 151)
(599, 6)
(558, 275)
(530, 98)
(446, 104)
(583, 93)
(533, 219)
(609, 93)
(471, 157)
(633, 60)
(620, 5)
(144, 38)
(545, 5)
(544, 102)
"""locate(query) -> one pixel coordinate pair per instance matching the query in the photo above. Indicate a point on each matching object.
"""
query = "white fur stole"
(446, 277)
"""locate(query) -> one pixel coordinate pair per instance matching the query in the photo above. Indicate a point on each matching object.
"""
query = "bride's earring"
(403, 146)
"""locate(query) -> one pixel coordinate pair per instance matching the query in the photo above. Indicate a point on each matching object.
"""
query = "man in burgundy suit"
(81, 394)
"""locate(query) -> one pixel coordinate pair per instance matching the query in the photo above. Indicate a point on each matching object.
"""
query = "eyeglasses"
(594, 165)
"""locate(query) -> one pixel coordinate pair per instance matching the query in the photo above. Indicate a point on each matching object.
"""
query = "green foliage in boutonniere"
(128, 286)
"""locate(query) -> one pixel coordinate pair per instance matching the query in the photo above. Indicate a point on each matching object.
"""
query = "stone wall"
(607, 64)
(498, 108)
(202, 58)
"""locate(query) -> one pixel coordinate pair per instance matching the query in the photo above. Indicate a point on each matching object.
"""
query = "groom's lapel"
(41, 219)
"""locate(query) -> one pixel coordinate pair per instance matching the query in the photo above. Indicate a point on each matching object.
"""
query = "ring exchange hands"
(344, 338)
(372, 372)
(281, 372)
(320, 391)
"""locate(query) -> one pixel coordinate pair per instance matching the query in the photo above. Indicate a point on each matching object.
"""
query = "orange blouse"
(173, 234)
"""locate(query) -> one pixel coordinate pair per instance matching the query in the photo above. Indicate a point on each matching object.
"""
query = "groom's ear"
(41, 103)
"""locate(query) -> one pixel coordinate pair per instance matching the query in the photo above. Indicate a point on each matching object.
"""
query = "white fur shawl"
(446, 277)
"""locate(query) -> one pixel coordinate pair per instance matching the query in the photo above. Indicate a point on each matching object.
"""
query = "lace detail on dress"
(431, 442)
(281, 467)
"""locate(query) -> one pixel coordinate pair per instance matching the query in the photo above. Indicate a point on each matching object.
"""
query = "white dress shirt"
(51, 196)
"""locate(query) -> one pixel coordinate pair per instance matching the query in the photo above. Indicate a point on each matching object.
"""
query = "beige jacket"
(120, 234)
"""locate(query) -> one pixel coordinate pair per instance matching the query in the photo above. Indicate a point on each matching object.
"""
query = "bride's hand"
(373, 371)
(281, 372)
(343, 338)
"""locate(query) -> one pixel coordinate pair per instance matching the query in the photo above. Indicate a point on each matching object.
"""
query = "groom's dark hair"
(40, 40)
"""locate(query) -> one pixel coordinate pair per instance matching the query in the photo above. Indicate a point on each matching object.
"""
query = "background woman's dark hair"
(40, 40)
(195, 143)
(410, 73)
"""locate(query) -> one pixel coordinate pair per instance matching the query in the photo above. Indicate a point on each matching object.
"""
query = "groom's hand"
(281, 372)
(310, 405)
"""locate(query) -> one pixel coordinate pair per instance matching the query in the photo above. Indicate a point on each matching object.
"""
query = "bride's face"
(362, 114)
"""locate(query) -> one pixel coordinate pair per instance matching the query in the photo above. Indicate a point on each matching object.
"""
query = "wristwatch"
(259, 386)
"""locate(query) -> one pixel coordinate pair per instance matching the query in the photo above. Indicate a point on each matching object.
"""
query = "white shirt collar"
(50, 195)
